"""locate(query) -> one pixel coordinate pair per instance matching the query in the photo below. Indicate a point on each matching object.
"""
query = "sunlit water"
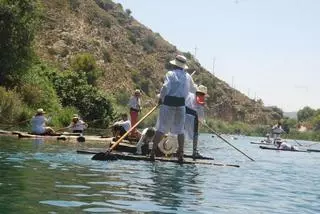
(50, 177)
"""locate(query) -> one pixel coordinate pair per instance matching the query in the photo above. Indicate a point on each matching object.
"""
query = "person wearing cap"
(38, 124)
(77, 125)
(177, 84)
(135, 109)
(194, 113)
(119, 128)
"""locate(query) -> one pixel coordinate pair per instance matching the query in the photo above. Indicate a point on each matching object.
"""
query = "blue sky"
(267, 49)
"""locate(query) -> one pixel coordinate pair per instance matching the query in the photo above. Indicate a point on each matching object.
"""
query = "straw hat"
(202, 89)
(168, 145)
(180, 61)
(40, 111)
(137, 91)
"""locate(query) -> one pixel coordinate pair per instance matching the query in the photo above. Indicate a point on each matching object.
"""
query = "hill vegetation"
(87, 56)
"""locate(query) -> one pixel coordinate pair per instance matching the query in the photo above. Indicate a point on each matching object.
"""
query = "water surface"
(50, 177)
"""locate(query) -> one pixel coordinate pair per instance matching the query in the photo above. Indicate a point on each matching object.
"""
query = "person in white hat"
(174, 91)
(38, 124)
(135, 109)
(77, 125)
(194, 113)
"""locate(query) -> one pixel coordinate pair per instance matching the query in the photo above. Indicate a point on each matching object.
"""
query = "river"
(50, 177)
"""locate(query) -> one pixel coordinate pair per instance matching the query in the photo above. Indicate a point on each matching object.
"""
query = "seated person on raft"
(144, 141)
(281, 145)
(38, 124)
(77, 125)
(119, 128)
(268, 140)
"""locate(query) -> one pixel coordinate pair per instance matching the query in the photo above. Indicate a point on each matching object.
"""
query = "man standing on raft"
(176, 87)
(194, 113)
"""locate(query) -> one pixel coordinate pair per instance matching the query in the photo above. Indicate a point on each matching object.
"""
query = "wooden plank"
(313, 150)
(94, 151)
(127, 156)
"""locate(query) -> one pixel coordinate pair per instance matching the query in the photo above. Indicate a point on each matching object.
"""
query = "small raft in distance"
(274, 148)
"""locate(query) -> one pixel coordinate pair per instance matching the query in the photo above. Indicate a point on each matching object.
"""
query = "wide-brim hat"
(180, 61)
(168, 145)
(137, 91)
(40, 111)
(203, 89)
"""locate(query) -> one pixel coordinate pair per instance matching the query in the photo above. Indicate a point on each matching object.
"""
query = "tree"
(277, 110)
(128, 12)
(18, 21)
(305, 114)
(74, 90)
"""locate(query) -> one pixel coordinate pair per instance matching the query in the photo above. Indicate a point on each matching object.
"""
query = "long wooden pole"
(98, 156)
(226, 141)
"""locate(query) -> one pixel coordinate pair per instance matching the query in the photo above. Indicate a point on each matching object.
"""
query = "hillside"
(131, 55)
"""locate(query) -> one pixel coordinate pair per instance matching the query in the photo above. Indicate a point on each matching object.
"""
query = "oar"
(226, 141)
(312, 144)
(106, 155)
(298, 143)
(18, 123)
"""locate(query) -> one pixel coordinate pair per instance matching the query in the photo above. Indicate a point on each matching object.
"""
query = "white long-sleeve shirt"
(177, 83)
(38, 124)
(135, 102)
(143, 139)
(191, 103)
(125, 124)
(78, 126)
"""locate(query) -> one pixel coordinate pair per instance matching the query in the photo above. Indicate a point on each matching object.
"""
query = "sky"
(267, 49)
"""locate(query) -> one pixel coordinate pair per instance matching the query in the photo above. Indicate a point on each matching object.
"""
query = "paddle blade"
(104, 156)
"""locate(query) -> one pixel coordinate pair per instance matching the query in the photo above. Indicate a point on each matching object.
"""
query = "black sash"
(132, 109)
(174, 101)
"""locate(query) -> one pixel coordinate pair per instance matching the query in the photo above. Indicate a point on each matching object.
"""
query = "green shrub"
(106, 56)
(74, 4)
(74, 90)
(17, 33)
(122, 97)
(128, 12)
(37, 91)
(63, 117)
(135, 76)
(83, 62)
(132, 37)
(144, 85)
(12, 109)
(86, 63)
(148, 43)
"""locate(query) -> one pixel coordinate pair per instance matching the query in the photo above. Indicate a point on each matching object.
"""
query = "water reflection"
(176, 185)
(38, 143)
